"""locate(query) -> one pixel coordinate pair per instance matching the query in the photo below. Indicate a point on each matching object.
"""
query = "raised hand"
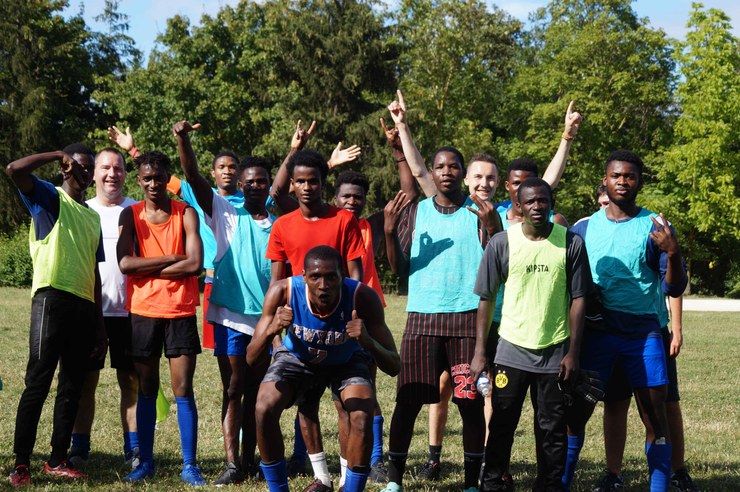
(392, 211)
(283, 319)
(573, 120)
(341, 156)
(356, 329)
(301, 136)
(394, 141)
(663, 237)
(182, 128)
(68, 163)
(486, 213)
(123, 140)
(398, 109)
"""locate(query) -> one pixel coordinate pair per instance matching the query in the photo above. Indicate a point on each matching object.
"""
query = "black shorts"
(118, 332)
(309, 381)
(424, 358)
(178, 336)
(619, 387)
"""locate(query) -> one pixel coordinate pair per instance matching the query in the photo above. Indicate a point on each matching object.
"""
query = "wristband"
(568, 137)
(132, 152)
(402, 159)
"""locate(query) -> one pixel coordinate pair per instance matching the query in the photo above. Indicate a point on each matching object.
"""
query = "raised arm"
(406, 178)
(20, 170)
(340, 156)
(280, 190)
(413, 157)
(276, 316)
(128, 261)
(368, 327)
(193, 261)
(392, 214)
(555, 169)
(124, 140)
(189, 163)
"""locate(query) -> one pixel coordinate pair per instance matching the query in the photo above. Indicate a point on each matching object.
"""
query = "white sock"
(342, 470)
(320, 469)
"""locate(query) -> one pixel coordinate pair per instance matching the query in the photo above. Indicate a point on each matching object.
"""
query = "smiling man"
(335, 327)
(545, 270)
(66, 320)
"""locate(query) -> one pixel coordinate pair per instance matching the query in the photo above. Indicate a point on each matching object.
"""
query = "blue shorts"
(229, 341)
(620, 389)
(643, 359)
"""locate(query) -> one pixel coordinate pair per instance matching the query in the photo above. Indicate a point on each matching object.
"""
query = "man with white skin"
(109, 177)
(482, 179)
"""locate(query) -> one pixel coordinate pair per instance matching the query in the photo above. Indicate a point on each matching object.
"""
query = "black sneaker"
(609, 483)
(318, 486)
(296, 466)
(681, 481)
(231, 475)
(430, 471)
(378, 472)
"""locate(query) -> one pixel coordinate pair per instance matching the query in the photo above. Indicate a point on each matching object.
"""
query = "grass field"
(708, 370)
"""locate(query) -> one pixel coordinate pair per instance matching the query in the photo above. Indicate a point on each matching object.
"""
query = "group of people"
(502, 299)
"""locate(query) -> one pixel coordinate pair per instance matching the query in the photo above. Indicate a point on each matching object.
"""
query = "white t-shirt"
(113, 281)
(223, 223)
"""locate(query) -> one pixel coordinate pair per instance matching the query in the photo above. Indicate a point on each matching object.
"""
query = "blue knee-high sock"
(146, 419)
(659, 465)
(187, 420)
(299, 445)
(130, 442)
(575, 443)
(81, 442)
(276, 475)
(377, 440)
(355, 481)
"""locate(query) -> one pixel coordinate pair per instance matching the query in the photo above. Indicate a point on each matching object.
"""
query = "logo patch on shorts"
(501, 380)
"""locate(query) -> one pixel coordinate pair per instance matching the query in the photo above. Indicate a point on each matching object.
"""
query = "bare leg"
(272, 400)
(129, 386)
(438, 412)
(232, 369)
(615, 433)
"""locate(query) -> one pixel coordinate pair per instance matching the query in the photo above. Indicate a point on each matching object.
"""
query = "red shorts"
(207, 326)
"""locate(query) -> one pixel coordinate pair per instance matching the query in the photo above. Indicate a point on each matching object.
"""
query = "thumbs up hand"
(356, 330)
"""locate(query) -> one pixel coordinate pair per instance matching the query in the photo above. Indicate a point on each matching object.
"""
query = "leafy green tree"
(700, 171)
(617, 68)
(455, 62)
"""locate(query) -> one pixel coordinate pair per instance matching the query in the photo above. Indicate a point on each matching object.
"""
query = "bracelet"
(568, 137)
(132, 151)
(402, 159)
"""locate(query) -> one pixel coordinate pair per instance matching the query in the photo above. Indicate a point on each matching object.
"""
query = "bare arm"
(20, 170)
(277, 271)
(128, 262)
(413, 157)
(577, 313)
(189, 163)
(558, 218)
(676, 307)
(555, 169)
(483, 321)
(392, 213)
(280, 190)
(275, 317)
(406, 178)
(355, 269)
(368, 327)
(193, 261)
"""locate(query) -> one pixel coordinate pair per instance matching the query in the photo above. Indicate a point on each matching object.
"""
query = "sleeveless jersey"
(161, 297)
(65, 258)
(242, 274)
(321, 340)
(444, 259)
(535, 312)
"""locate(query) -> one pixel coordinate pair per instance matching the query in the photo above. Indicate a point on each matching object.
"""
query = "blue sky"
(149, 18)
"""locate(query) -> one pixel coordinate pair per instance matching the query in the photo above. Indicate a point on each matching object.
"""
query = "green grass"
(708, 372)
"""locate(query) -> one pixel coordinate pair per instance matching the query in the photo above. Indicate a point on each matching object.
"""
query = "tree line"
(474, 77)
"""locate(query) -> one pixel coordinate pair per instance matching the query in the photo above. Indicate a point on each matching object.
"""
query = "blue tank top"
(321, 341)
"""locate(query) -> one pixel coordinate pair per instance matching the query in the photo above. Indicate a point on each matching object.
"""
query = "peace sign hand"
(394, 141)
(301, 136)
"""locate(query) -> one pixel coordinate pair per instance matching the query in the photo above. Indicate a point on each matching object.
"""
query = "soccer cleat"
(77, 457)
(63, 470)
(430, 471)
(378, 473)
(318, 486)
(20, 476)
(681, 481)
(191, 476)
(254, 471)
(393, 487)
(132, 458)
(296, 466)
(142, 472)
(609, 483)
(231, 475)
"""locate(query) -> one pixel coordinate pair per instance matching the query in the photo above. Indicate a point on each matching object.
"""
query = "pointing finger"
(400, 99)
(570, 108)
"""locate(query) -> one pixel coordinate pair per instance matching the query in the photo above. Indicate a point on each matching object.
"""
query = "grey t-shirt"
(494, 270)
